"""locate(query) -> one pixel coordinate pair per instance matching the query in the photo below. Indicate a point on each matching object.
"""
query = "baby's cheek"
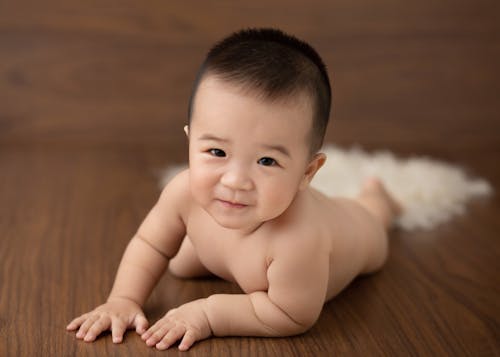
(201, 185)
(201, 176)
(278, 198)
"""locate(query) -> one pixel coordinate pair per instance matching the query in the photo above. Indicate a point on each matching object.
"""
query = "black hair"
(277, 66)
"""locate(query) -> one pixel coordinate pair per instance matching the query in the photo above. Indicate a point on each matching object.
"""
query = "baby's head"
(257, 116)
(273, 67)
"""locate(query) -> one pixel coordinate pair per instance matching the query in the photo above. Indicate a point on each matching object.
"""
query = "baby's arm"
(157, 240)
(297, 290)
(144, 261)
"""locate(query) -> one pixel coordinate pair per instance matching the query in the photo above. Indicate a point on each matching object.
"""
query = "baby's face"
(247, 157)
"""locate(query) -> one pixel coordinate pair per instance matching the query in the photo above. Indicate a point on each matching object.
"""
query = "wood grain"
(93, 98)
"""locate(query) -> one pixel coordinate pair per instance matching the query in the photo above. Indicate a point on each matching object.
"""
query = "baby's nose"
(237, 179)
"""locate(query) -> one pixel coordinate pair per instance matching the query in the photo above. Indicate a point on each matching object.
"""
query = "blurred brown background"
(93, 98)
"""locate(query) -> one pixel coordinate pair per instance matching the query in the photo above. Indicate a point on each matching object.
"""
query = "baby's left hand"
(188, 320)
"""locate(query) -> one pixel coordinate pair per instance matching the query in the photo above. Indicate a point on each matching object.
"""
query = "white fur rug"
(430, 191)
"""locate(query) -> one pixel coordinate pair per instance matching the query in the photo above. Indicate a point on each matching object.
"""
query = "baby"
(244, 209)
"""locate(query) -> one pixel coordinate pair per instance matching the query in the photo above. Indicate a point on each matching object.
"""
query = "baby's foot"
(374, 186)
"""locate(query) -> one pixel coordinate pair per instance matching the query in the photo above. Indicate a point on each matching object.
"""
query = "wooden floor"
(93, 98)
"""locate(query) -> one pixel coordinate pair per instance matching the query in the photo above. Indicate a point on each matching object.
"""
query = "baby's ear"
(186, 130)
(316, 162)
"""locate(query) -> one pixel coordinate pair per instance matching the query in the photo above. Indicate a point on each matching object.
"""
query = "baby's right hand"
(117, 314)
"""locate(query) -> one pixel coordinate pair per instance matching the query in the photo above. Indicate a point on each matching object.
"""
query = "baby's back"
(351, 232)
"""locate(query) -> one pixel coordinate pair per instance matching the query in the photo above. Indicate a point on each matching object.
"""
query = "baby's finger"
(140, 323)
(118, 328)
(75, 323)
(158, 334)
(187, 341)
(147, 334)
(102, 324)
(172, 335)
(86, 325)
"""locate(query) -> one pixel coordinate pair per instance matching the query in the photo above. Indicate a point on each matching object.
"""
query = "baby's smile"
(229, 204)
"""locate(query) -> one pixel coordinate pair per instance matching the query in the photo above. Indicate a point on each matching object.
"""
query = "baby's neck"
(242, 233)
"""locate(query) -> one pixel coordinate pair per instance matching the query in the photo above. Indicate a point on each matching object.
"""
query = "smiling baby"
(244, 210)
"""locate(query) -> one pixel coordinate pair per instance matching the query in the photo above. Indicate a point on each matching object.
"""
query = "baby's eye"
(267, 161)
(217, 152)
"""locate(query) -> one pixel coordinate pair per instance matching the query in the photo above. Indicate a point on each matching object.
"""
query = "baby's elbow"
(298, 328)
(303, 323)
(309, 323)
(284, 320)
(303, 317)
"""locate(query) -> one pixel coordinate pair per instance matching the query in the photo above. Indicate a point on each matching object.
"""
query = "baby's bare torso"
(337, 227)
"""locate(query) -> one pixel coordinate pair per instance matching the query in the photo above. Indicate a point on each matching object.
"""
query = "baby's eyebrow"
(279, 148)
(212, 137)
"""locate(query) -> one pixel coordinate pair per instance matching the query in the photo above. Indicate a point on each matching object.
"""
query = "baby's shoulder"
(331, 212)
(176, 194)
(178, 185)
(315, 220)
(304, 227)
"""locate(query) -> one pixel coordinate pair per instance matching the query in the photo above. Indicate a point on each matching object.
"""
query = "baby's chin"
(242, 224)
(233, 222)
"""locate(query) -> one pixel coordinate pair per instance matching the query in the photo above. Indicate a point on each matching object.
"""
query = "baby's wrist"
(112, 298)
(205, 308)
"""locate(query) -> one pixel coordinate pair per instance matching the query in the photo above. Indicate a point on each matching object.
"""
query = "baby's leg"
(186, 263)
(375, 198)
(381, 205)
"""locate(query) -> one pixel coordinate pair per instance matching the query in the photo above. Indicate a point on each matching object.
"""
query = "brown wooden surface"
(93, 97)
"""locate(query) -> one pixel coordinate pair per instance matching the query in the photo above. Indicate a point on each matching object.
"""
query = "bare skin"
(244, 211)
(379, 202)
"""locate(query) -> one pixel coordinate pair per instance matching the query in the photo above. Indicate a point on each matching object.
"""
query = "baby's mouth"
(232, 204)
